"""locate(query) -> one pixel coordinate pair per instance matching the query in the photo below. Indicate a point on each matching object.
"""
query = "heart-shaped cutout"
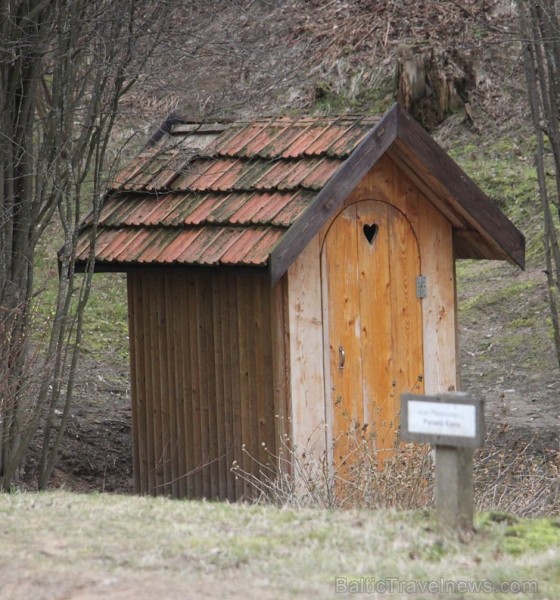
(371, 231)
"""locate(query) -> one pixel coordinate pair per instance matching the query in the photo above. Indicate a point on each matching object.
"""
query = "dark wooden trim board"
(487, 218)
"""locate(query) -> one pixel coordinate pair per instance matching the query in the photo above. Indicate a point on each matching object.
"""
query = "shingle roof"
(255, 193)
(227, 202)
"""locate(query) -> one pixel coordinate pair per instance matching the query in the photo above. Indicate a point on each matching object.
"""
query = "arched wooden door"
(373, 324)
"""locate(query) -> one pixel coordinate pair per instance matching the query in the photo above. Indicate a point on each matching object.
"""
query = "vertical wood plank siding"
(208, 379)
(306, 348)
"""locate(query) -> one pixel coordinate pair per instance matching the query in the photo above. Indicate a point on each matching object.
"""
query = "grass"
(532, 536)
(488, 300)
(373, 101)
(105, 333)
(53, 539)
(105, 317)
(503, 167)
(342, 88)
(523, 332)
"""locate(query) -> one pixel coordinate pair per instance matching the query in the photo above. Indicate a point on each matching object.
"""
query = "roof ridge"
(196, 126)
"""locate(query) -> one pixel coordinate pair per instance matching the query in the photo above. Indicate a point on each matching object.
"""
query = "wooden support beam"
(454, 487)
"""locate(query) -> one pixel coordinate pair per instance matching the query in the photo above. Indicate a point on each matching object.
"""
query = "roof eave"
(488, 233)
(130, 267)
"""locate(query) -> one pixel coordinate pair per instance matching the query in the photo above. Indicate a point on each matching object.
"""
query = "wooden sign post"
(454, 422)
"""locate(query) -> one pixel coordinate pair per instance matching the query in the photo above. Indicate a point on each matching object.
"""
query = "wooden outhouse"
(288, 279)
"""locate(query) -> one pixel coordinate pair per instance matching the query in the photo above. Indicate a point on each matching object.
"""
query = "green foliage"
(357, 98)
(504, 170)
(105, 330)
(524, 322)
(480, 32)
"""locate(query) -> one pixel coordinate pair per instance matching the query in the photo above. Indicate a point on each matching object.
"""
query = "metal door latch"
(341, 357)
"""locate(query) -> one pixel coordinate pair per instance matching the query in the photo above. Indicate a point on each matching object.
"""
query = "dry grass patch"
(511, 474)
(60, 545)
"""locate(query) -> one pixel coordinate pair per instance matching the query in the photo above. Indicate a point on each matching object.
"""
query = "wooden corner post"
(454, 422)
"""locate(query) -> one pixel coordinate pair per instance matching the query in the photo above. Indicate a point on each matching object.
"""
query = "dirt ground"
(96, 453)
(507, 352)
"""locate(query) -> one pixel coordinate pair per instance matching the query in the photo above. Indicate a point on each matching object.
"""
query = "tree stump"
(433, 83)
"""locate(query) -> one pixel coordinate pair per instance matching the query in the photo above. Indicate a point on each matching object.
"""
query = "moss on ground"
(529, 536)
(489, 299)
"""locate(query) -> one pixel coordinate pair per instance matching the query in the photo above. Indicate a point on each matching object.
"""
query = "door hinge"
(421, 290)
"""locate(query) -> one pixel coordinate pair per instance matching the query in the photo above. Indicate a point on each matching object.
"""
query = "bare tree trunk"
(541, 54)
(65, 66)
(25, 28)
(69, 62)
(432, 83)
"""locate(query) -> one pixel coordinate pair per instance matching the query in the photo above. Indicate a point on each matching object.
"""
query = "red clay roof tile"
(246, 212)
(329, 133)
(194, 252)
(195, 172)
(348, 142)
(187, 204)
(267, 137)
(298, 171)
(108, 241)
(130, 247)
(156, 245)
(247, 240)
(292, 211)
(279, 144)
(273, 205)
(308, 136)
(222, 213)
(261, 249)
(318, 177)
(177, 246)
(124, 176)
(163, 206)
(202, 213)
(235, 146)
(222, 243)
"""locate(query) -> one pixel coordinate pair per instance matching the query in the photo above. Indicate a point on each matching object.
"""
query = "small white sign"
(438, 418)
